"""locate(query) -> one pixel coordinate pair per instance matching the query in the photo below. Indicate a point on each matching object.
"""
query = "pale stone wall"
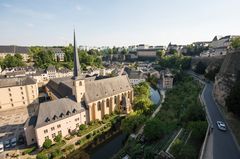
(17, 96)
(66, 125)
(30, 135)
(98, 109)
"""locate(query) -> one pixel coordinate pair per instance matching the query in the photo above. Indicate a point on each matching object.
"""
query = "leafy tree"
(235, 43)
(44, 58)
(200, 68)
(154, 129)
(12, 61)
(160, 54)
(82, 127)
(56, 153)
(58, 138)
(47, 143)
(149, 153)
(198, 129)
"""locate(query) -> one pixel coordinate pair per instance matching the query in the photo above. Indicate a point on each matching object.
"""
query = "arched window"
(80, 83)
(108, 103)
(99, 106)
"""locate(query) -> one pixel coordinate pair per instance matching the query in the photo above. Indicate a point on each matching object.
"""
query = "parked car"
(1, 147)
(221, 126)
(7, 144)
(13, 142)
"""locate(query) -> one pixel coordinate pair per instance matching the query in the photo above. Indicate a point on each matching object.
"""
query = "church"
(75, 101)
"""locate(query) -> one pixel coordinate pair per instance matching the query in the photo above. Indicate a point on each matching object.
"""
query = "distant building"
(12, 50)
(58, 53)
(167, 79)
(17, 92)
(135, 77)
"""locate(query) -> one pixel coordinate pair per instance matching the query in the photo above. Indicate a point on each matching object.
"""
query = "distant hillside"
(226, 76)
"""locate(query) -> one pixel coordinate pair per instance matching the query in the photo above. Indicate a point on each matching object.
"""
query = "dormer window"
(47, 120)
(55, 117)
(74, 110)
(68, 113)
(61, 115)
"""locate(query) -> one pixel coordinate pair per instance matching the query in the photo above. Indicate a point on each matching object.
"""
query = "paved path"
(220, 145)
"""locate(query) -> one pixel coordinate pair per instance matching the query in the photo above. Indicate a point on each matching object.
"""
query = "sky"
(116, 22)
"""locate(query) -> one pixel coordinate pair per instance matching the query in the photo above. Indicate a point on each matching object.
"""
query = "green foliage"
(56, 153)
(134, 150)
(193, 50)
(43, 58)
(212, 73)
(235, 43)
(42, 156)
(12, 61)
(69, 147)
(151, 127)
(160, 54)
(177, 62)
(198, 129)
(181, 151)
(82, 127)
(29, 150)
(58, 138)
(47, 143)
(132, 122)
(233, 99)
(89, 136)
(200, 68)
(149, 153)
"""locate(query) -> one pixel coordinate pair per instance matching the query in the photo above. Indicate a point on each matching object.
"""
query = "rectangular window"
(11, 100)
(46, 137)
(21, 88)
(9, 89)
(53, 135)
(52, 128)
(76, 119)
(58, 126)
(60, 132)
(10, 94)
(45, 131)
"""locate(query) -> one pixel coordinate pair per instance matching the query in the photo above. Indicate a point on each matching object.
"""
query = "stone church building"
(77, 100)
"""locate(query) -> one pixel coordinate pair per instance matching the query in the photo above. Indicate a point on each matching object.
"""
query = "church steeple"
(77, 68)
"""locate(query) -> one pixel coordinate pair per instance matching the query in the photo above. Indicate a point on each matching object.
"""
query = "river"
(109, 148)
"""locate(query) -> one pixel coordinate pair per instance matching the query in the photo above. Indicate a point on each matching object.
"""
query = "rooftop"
(11, 82)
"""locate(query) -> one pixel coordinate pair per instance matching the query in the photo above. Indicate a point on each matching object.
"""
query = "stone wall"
(226, 77)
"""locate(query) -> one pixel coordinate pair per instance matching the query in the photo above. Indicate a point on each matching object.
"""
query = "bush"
(56, 153)
(69, 148)
(29, 150)
(89, 136)
(106, 116)
(82, 127)
(42, 156)
(78, 142)
(47, 143)
(58, 138)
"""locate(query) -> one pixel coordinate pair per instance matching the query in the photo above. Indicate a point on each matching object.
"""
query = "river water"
(108, 149)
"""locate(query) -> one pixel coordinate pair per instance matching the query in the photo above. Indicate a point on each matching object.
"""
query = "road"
(224, 146)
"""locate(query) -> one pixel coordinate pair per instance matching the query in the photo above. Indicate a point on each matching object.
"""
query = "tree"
(58, 138)
(44, 58)
(12, 61)
(235, 43)
(200, 68)
(149, 153)
(82, 127)
(47, 143)
(150, 129)
(160, 54)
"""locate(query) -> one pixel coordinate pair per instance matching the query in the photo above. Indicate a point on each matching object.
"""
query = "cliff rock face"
(226, 77)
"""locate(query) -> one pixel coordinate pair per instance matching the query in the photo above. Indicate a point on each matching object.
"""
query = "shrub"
(89, 136)
(58, 138)
(42, 156)
(78, 142)
(56, 153)
(29, 150)
(47, 143)
(82, 127)
(69, 148)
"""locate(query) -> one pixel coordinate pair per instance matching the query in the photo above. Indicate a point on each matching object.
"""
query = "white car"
(221, 126)
(1, 147)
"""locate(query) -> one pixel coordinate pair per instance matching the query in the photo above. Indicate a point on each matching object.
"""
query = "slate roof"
(14, 49)
(11, 82)
(53, 111)
(96, 89)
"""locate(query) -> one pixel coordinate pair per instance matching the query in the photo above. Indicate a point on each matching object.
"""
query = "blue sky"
(116, 22)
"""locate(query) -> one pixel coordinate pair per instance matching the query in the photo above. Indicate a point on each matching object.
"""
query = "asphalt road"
(224, 146)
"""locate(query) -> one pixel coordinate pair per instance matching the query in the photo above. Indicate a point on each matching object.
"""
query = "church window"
(99, 106)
